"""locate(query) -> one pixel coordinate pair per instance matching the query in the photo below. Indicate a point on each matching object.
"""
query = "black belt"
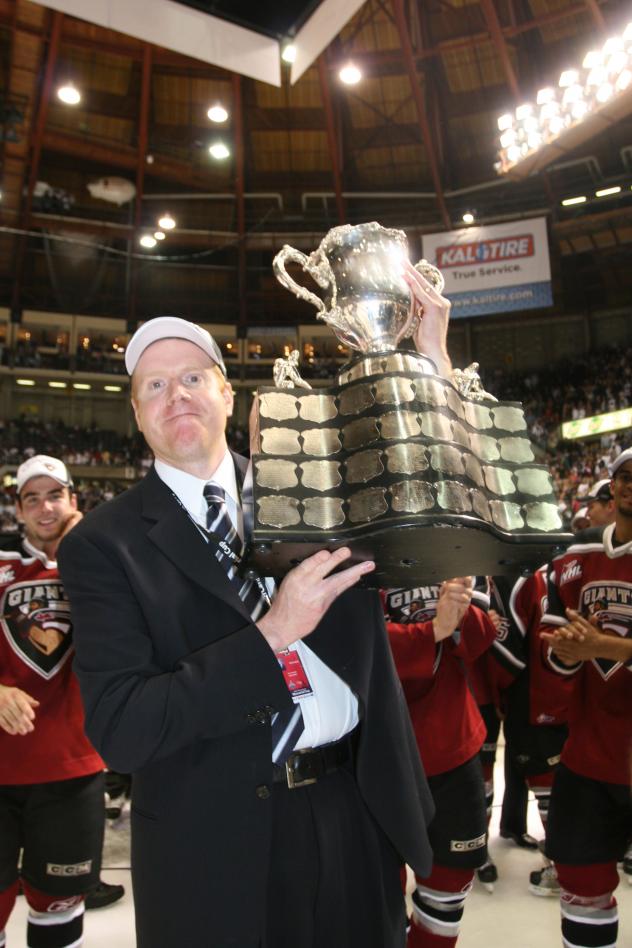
(304, 767)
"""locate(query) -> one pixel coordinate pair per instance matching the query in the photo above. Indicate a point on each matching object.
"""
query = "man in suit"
(179, 667)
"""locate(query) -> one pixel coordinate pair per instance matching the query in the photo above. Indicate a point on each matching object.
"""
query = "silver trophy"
(430, 477)
(367, 302)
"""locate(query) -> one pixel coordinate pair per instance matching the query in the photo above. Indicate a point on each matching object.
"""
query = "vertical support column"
(36, 153)
(242, 313)
(141, 163)
(332, 138)
(498, 39)
(409, 59)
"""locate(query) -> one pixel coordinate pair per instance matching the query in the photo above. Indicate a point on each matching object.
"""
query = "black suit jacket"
(178, 687)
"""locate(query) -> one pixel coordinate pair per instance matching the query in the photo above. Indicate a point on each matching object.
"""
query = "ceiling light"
(25, 382)
(58, 385)
(83, 386)
(604, 92)
(217, 113)
(159, 235)
(112, 388)
(592, 59)
(350, 75)
(219, 151)
(288, 53)
(545, 95)
(575, 200)
(147, 241)
(568, 78)
(583, 97)
(166, 222)
(605, 192)
(68, 94)
(468, 218)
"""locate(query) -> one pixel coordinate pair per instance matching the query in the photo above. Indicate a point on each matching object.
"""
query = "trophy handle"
(295, 256)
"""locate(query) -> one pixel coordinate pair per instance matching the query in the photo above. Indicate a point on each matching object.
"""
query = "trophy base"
(409, 553)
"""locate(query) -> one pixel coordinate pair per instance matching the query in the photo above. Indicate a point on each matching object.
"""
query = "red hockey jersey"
(539, 696)
(444, 713)
(36, 656)
(595, 578)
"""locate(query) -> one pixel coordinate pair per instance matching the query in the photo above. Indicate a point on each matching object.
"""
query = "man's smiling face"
(182, 402)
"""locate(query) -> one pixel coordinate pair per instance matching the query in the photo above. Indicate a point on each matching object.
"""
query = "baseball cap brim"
(170, 327)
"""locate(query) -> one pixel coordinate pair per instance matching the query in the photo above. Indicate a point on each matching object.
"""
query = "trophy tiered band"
(430, 477)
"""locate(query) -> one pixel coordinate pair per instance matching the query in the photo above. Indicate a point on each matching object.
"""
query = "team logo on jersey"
(412, 605)
(7, 574)
(609, 604)
(572, 570)
(35, 618)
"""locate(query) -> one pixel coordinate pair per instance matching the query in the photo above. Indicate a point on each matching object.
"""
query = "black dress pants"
(334, 876)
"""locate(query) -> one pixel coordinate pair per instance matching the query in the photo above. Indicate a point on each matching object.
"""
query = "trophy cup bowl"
(368, 303)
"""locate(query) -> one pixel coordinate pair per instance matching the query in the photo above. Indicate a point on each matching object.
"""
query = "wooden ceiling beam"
(402, 27)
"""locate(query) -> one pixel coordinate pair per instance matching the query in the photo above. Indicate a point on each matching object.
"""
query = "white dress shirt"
(331, 710)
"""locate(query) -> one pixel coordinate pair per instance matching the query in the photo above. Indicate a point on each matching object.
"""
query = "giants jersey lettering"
(447, 723)
(595, 578)
(36, 656)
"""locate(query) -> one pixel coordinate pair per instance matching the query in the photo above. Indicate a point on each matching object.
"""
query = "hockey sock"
(541, 786)
(438, 903)
(7, 901)
(53, 921)
(589, 909)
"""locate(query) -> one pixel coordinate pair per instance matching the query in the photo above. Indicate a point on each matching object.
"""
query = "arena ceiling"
(413, 144)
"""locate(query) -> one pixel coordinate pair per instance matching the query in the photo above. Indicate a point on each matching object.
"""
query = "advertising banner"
(496, 269)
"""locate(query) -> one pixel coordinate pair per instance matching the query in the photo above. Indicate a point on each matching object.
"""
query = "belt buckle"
(292, 782)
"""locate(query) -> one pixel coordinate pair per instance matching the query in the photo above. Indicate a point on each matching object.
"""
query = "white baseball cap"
(170, 327)
(601, 490)
(623, 457)
(41, 465)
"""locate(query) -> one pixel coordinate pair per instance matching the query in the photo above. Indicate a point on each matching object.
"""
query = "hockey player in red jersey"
(51, 781)
(535, 704)
(434, 631)
(588, 626)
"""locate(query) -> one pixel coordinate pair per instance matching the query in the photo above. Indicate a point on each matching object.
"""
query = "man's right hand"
(306, 594)
(455, 596)
(17, 712)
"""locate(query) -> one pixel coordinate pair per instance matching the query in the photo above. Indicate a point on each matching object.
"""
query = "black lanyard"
(211, 537)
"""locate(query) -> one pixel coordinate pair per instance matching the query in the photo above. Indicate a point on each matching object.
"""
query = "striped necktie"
(287, 726)
(218, 522)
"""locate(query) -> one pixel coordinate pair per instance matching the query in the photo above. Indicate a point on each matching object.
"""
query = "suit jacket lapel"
(177, 537)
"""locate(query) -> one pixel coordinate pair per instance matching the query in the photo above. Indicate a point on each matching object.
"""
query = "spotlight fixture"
(217, 113)
(468, 218)
(350, 75)
(147, 241)
(587, 99)
(606, 192)
(568, 202)
(58, 385)
(69, 94)
(288, 53)
(159, 235)
(82, 386)
(166, 222)
(25, 382)
(112, 388)
(219, 151)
